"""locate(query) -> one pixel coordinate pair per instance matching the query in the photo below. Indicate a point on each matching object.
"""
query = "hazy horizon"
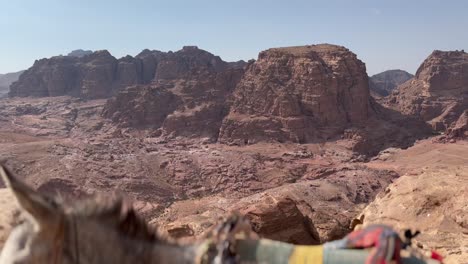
(385, 36)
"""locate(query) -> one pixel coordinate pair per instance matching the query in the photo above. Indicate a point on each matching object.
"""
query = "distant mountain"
(384, 83)
(80, 53)
(6, 80)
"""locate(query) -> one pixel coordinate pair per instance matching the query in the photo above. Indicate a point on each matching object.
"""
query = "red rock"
(291, 94)
(198, 84)
(96, 75)
(459, 129)
(281, 220)
(438, 93)
(141, 105)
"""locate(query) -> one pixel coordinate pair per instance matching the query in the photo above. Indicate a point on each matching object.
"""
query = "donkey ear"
(38, 206)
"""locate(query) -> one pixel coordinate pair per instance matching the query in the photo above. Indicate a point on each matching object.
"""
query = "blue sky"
(384, 34)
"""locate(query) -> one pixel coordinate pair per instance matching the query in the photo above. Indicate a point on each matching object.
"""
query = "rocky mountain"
(298, 94)
(97, 75)
(382, 84)
(100, 75)
(6, 80)
(438, 94)
(186, 97)
(80, 53)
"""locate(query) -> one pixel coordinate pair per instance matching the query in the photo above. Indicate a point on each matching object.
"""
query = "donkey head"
(85, 232)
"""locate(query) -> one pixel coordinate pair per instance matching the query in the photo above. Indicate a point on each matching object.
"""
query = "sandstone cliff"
(439, 92)
(382, 84)
(298, 94)
(95, 75)
(187, 96)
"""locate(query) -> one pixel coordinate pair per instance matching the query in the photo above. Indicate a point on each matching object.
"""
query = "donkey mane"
(114, 210)
(124, 217)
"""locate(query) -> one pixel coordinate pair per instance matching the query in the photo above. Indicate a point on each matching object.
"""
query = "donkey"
(92, 233)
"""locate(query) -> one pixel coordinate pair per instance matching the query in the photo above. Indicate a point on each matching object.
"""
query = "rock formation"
(382, 84)
(439, 92)
(305, 212)
(433, 202)
(97, 75)
(298, 94)
(459, 129)
(187, 96)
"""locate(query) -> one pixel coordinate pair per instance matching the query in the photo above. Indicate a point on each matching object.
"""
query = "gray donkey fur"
(88, 233)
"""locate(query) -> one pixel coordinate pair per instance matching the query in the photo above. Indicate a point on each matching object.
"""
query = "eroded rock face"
(382, 84)
(459, 130)
(439, 92)
(95, 75)
(298, 94)
(139, 106)
(187, 96)
(433, 202)
(281, 220)
(316, 209)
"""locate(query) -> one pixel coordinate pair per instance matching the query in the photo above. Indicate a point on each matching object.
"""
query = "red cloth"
(385, 243)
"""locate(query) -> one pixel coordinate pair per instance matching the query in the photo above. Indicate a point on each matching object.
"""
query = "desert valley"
(301, 141)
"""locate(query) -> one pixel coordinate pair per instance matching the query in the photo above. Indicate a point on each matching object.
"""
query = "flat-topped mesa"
(95, 75)
(439, 92)
(298, 94)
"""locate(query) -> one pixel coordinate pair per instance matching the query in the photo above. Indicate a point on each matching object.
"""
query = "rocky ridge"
(302, 94)
(188, 95)
(91, 76)
(438, 94)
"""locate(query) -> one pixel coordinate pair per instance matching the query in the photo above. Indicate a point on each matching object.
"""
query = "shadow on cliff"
(387, 128)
